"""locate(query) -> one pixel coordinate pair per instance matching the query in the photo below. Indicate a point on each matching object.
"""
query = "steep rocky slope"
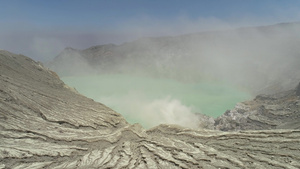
(277, 111)
(46, 124)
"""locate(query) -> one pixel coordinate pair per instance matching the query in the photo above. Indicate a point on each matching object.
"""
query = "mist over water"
(173, 79)
(153, 101)
(262, 59)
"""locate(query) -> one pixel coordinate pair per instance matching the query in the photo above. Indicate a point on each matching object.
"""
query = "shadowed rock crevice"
(298, 90)
(46, 124)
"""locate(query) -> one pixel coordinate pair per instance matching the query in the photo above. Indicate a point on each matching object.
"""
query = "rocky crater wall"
(46, 124)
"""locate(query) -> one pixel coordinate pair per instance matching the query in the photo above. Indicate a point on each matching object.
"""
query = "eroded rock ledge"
(277, 111)
(45, 124)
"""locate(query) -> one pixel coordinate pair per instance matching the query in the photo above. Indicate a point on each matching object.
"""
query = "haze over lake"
(152, 101)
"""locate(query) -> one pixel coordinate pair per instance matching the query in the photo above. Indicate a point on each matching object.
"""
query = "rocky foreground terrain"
(46, 124)
(277, 111)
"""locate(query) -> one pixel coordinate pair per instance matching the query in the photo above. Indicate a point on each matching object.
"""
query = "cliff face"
(46, 124)
(277, 111)
(298, 90)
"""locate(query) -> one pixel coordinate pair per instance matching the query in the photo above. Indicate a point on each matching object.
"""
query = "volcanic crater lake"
(152, 101)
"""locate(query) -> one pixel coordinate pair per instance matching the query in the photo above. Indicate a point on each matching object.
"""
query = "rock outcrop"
(277, 111)
(298, 90)
(46, 124)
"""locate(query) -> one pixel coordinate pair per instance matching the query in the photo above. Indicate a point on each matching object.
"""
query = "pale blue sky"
(42, 28)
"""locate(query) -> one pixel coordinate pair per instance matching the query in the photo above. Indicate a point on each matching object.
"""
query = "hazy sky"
(41, 29)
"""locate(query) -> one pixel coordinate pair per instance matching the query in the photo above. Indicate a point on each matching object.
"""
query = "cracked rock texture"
(46, 124)
(277, 111)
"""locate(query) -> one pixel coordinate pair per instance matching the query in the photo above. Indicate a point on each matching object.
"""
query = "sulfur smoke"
(256, 59)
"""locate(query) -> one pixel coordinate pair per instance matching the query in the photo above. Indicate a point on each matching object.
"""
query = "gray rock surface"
(46, 124)
(298, 90)
(277, 111)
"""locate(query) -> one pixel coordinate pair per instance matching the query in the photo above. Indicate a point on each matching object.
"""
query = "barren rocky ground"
(277, 111)
(46, 124)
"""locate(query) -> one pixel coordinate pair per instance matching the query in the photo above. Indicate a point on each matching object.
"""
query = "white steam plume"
(138, 108)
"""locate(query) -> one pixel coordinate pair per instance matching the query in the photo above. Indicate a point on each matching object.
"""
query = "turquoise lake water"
(151, 101)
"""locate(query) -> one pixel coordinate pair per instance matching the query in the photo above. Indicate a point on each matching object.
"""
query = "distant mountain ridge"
(263, 59)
